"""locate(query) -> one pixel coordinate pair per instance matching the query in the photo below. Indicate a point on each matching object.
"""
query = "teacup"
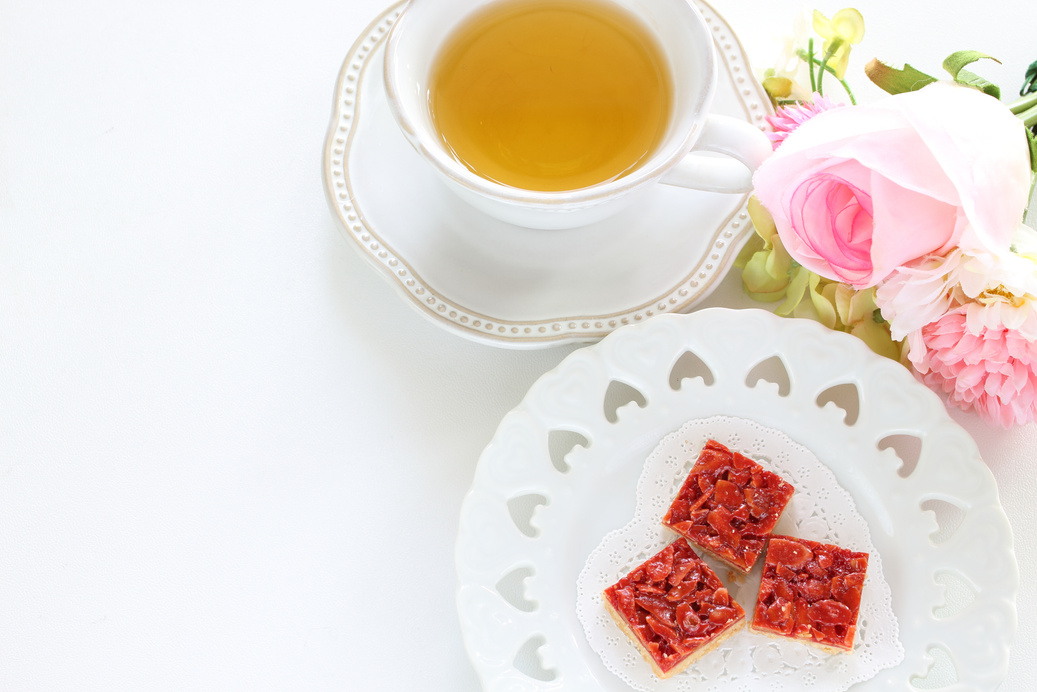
(684, 40)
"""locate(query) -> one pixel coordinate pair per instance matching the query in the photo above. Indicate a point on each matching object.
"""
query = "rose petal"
(980, 147)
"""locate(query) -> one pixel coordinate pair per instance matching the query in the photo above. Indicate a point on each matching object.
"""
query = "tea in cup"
(557, 113)
(551, 95)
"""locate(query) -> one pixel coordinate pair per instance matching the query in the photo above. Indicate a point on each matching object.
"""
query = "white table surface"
(231, 458)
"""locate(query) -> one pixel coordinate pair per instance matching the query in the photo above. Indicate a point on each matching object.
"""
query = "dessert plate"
(562, 469)
(534, 288)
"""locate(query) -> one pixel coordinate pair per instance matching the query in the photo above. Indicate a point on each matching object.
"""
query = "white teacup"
(684, 37)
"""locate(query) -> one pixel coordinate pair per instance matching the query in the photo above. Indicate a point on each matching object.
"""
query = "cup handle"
(744, 143)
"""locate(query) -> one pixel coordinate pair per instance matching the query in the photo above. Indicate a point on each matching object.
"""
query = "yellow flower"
(843, 30)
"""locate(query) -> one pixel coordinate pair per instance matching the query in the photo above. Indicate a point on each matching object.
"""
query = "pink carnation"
(990, 369)
(788, 118)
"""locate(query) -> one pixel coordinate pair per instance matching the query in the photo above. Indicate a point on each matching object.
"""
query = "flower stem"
(803, 55)
(1024, 103)
(853, 101)
(810, 64)
(1029, 116)
(824, 65)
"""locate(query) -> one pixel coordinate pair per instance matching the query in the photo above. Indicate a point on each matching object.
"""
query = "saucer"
(534, 288)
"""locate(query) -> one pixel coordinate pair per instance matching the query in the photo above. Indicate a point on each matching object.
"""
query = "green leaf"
(976, 82)
(956, 61)
(955, 64)
(1030, 84)
(894, 81)
(1032, 140)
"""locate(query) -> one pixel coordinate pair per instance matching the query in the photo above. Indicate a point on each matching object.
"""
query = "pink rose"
(857, 192)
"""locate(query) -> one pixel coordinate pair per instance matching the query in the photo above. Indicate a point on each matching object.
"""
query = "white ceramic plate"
(536, 288)
(517, 574)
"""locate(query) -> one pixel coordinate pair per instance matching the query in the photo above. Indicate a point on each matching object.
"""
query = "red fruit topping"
(789, 554)
(729, 495)
(728, 505)
(830, 613)
(810, 591)
(673, 605)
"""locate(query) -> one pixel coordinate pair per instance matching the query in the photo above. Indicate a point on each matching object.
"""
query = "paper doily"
(820, 510)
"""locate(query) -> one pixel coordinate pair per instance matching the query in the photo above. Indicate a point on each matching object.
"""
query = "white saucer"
(543, 287)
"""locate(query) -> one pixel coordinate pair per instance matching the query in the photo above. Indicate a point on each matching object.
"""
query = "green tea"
(551, 94)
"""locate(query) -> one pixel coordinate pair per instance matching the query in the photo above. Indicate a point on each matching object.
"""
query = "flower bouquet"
(901, 221)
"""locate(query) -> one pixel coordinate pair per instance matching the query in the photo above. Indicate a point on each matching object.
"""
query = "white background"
(231, 458)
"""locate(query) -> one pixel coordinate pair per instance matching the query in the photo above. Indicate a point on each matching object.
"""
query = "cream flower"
(918, 293)
(1001, 289)
(783, 81)
(995, 288)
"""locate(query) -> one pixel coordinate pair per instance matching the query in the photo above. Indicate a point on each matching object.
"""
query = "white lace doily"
(820, 510)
